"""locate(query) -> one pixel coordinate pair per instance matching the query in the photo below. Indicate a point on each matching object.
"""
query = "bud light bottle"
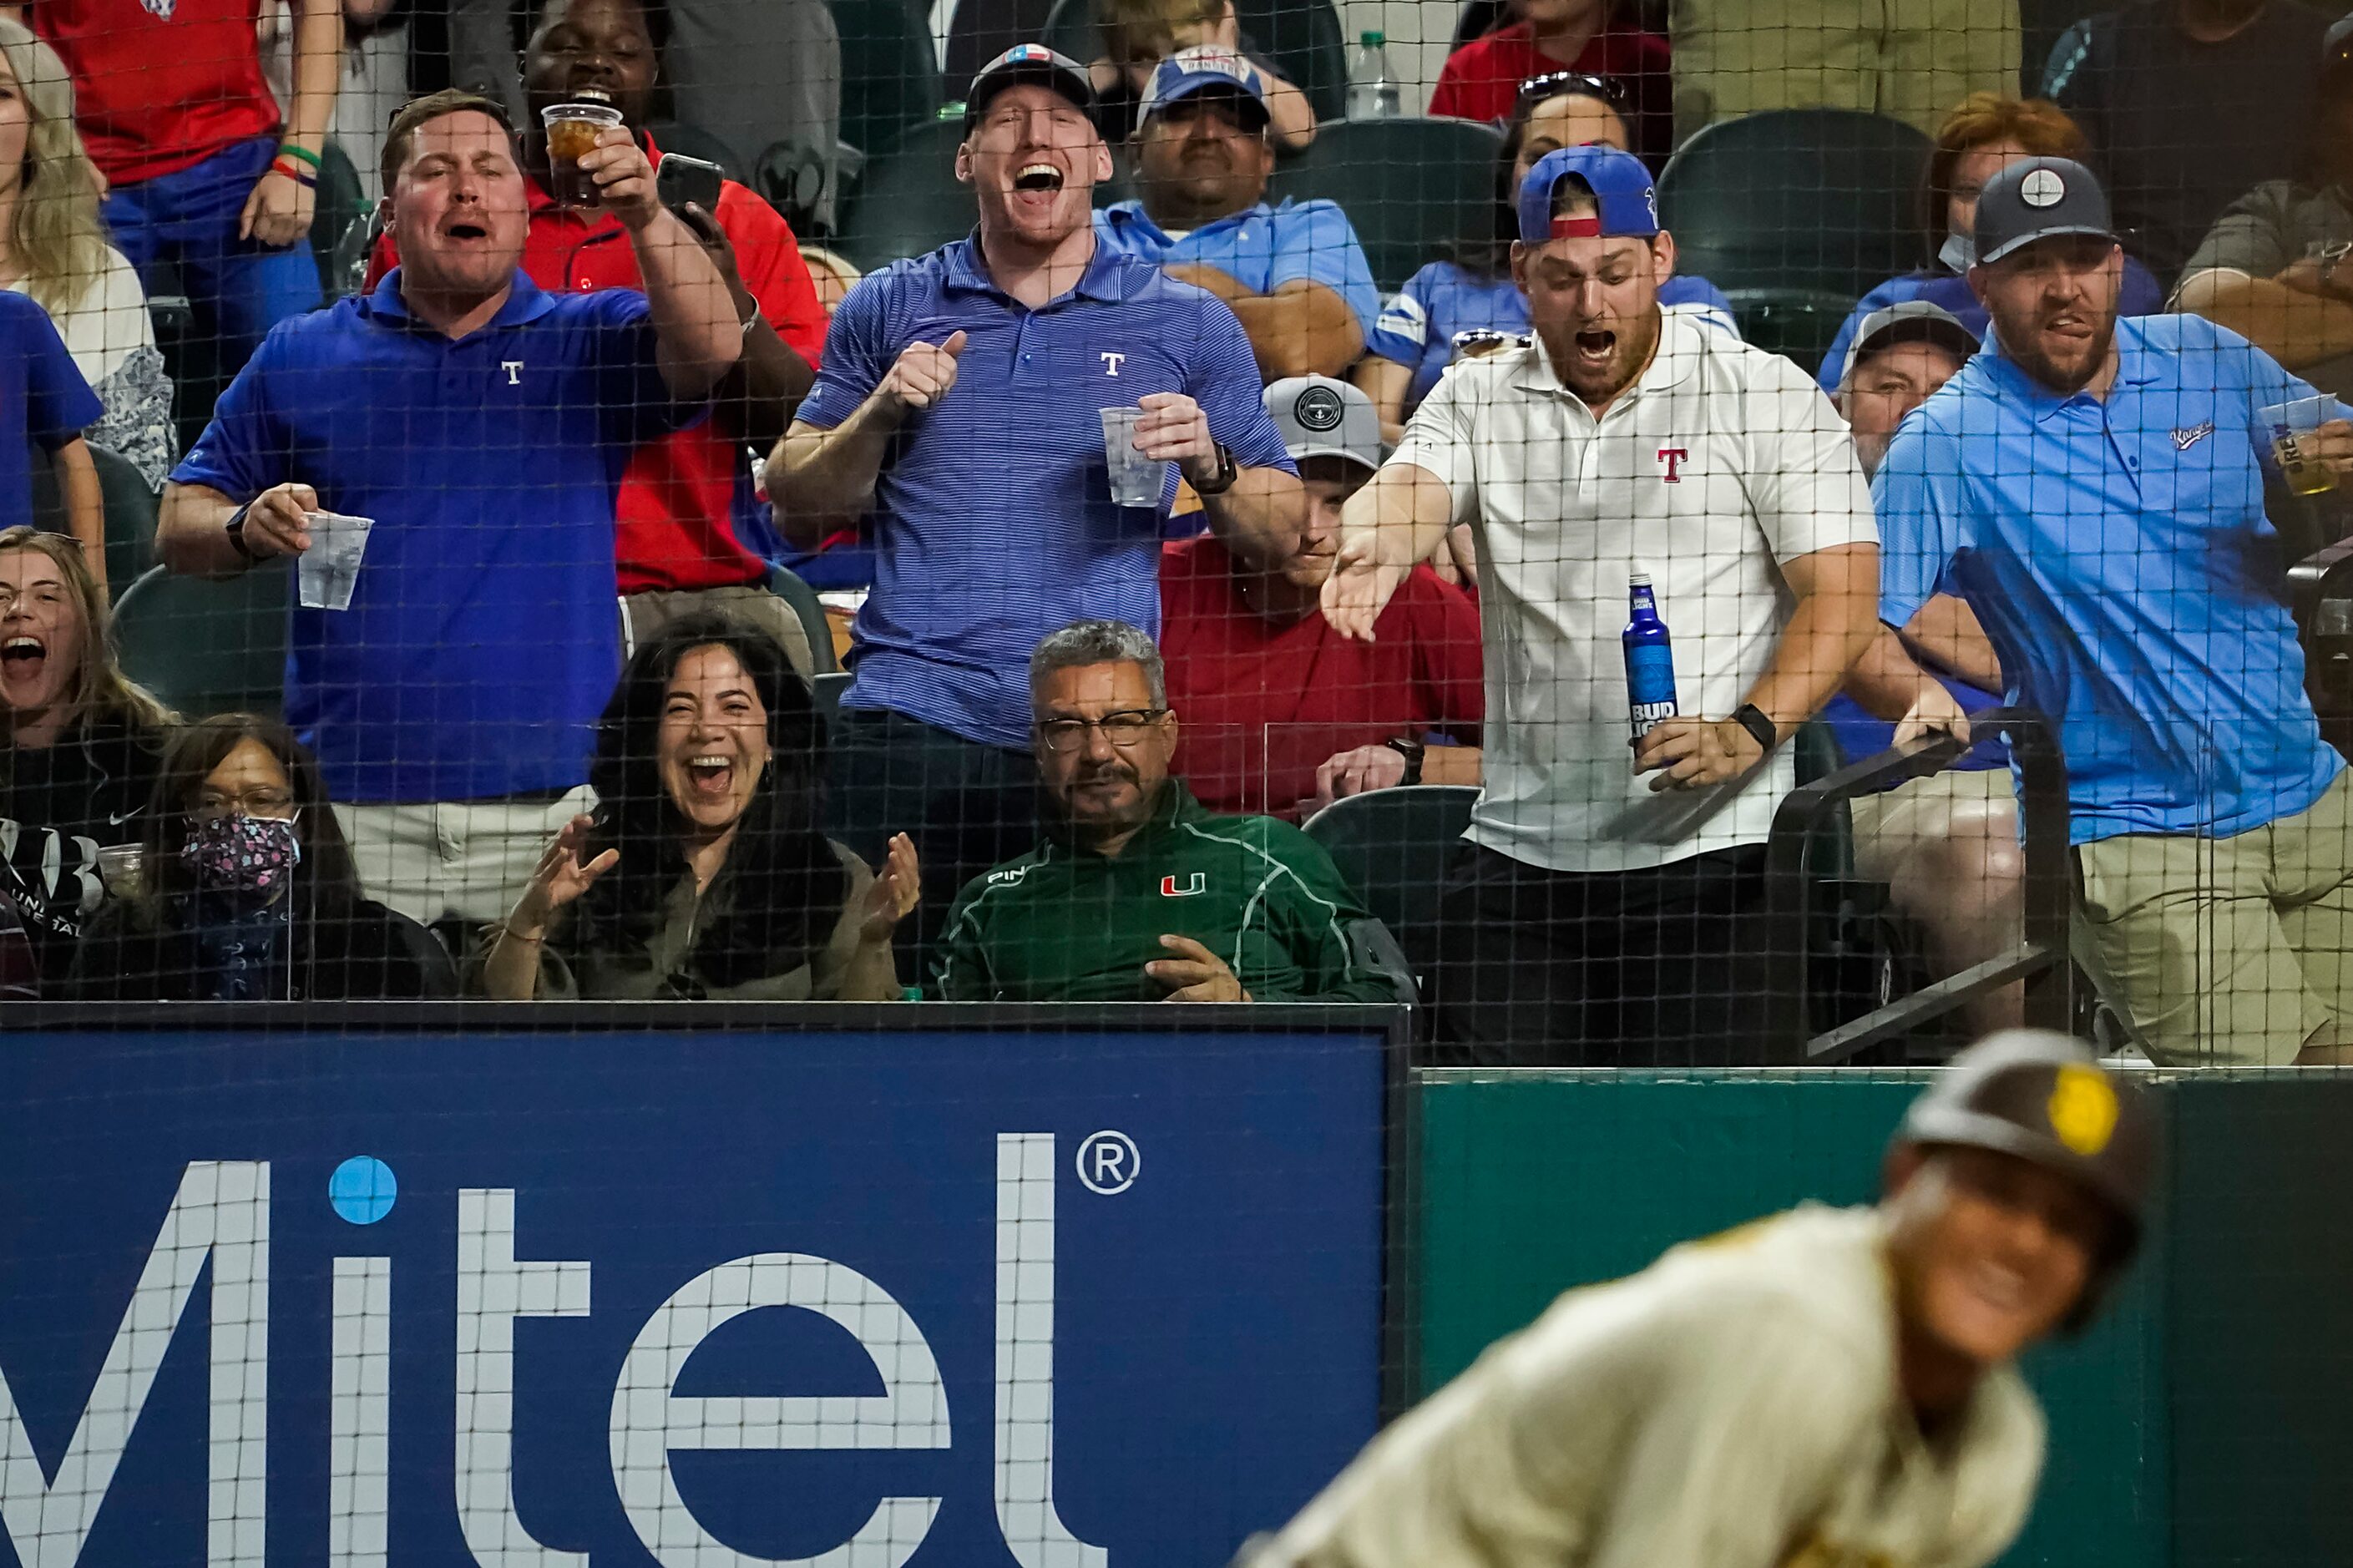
(1650, 661)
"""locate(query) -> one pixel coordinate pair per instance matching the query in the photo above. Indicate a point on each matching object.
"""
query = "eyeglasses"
(1553, 84)
(1126, 728)
(265, 802)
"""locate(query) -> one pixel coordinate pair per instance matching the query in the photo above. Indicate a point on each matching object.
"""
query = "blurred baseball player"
(1828, 1388)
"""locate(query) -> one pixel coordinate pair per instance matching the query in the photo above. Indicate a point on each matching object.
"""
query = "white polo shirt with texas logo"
(1719, 464)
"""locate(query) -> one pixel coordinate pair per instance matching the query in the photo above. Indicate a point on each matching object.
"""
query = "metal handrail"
(2040, 959)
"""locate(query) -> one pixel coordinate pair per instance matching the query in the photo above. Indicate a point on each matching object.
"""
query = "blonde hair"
(100, 689)
(1146, 29)
(58, 239)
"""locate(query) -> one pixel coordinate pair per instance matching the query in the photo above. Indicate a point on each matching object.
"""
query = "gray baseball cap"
(1913, 321)
(2036, 198)
(1320, 417)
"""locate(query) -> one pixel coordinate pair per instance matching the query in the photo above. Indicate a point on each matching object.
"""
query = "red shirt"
(679, 491)
(159, 86)
(1482, 79)
(1261, 706)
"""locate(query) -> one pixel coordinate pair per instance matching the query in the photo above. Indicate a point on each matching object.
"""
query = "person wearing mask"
(1482, 79)
(2093, 488)
(678, 549)
(2187, 103)
(247, 892)
(483, 425)
(203, 170)
(2273, 268)
(1946, 845)
(1139, 894)
(1282, 715)
(1607, 907)
(1295, 274)
(1138, 34)
(1414, 338)
(1983, 136)
(84, 744)
(54, 250)
(958, 420)
(704, 870)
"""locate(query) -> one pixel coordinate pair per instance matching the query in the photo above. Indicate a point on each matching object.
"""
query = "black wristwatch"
(1412, 752)
(1751, 718)
(235, 528)
(1227, 474)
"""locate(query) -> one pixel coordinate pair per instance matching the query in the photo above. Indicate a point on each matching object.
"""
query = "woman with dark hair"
(245, 890)
(702, 873)
(1983, 135)
(1472, 291)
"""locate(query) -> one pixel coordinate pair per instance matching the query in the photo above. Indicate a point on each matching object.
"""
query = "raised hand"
(920, 375)
(561, 877)
(894, 894)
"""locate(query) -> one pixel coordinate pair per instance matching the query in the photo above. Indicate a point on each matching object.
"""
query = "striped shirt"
(992, 522)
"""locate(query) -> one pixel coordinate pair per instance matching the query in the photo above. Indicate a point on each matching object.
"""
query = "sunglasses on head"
(1554, 84)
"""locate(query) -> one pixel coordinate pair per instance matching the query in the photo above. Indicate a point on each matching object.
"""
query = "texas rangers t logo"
(514, 367)
(1674, 457)
(1111, 362)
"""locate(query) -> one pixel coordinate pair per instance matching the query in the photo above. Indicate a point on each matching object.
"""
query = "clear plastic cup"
(326, 574)
(2286, 422)
(572, 131)
(123, 868)
(1136, 480)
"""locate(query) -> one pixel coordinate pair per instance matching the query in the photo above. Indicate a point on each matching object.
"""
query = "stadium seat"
(343, 206)
(1411, 188)
(1393, 847)
(786, 585)
(694, 141)
(438, 970)
(130, 508)
(889, 78)
(1814, 200)
(207, 648)
(980, 30)
(907, 201)
(1303, 38)
(828, 689)
(1799, 322)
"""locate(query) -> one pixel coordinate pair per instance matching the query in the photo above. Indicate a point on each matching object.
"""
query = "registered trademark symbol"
(1109, 1162)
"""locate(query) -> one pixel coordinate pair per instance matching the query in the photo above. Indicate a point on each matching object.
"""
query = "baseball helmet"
(2044, 1098)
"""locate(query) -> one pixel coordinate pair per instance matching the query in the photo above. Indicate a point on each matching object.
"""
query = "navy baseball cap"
(1028, 62)
(1912, 322)
(1625, 201)
(2036, 198)
(1206, 68)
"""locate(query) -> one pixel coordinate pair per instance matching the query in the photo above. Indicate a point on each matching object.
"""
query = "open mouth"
(23, 658)
(1038, 178)
(711, 778)
(1595, 345)
(465, 229)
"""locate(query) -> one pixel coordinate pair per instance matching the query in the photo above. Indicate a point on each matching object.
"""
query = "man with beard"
(958, 422)
(1295, 274)
(1605, 909)
(2094, 490)
(1136, 893)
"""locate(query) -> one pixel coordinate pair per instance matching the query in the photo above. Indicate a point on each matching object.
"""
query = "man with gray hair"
(1135, 892)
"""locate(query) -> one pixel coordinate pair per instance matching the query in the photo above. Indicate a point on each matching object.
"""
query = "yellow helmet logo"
(2084, 1108)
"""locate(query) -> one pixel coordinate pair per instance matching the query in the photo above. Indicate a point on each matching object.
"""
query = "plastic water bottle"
(1372, 85)
(1650, 660)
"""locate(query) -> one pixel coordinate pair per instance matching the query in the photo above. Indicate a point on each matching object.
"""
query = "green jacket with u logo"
(1065, 924)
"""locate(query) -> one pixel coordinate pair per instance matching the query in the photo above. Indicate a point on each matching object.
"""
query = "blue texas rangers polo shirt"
(483, 635)
(992, 523)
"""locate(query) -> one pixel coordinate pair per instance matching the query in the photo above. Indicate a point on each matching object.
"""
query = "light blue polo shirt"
(2117, 553)
(1260, 248)
(483, 635)
(992, 522)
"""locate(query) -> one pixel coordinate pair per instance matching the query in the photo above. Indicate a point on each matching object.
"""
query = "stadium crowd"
(1167, 529)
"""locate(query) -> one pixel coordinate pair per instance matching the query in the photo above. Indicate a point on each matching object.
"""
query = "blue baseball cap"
(1625, 200)
(1206, 67)
(1032, 63)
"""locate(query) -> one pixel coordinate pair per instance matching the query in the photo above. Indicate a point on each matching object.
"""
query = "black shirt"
(157, 953)
(2179, 128)
(59, 805)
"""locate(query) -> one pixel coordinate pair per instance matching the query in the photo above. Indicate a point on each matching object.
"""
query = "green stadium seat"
(1814, 199)
(343, 206)
(207, 648)
(1393, 847)
(1303, 38)
(694, 141)
(828, 688)
(1799, 322)
(130, 507)
(907, 201)
(786, 585)
(1411, 188)
(890, 77)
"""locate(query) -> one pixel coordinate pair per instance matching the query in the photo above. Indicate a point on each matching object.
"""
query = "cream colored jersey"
(1734, 1405)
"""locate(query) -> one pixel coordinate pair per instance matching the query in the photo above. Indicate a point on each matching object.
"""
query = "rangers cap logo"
(1318, 408)
(2042, 188)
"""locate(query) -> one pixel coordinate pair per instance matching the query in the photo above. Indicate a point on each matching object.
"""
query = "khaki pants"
(645, 614)
(470, 858)
(1912, 59)
(2224, 952)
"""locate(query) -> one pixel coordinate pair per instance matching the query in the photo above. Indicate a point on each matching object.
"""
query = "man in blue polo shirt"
(958, 417)
(1295, 274)
(2094, 488)
(483, 425)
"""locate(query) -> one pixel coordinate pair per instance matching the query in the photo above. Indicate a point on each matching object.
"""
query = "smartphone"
(681, 179)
